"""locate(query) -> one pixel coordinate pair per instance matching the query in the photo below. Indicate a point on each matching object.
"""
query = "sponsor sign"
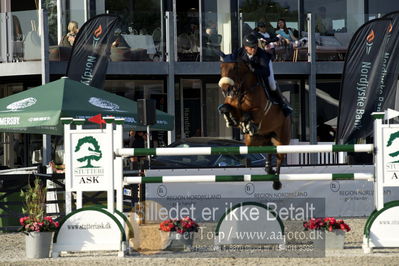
(88, 229)
(90, 53)
(9, 120)
(88, 163)
(104, 104)
(364, 79)
(342, 198)
(21, 104)
(391, 156)
(384, 231)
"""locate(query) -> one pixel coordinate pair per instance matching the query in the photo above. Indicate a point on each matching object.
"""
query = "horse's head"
(233, 76)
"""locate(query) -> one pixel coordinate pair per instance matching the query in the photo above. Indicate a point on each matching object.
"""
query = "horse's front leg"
(227, 111)
(247, 124)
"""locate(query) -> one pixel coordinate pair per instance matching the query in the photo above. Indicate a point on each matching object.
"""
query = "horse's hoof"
(277, 185)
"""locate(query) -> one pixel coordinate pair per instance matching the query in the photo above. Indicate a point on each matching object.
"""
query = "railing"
(195, 39)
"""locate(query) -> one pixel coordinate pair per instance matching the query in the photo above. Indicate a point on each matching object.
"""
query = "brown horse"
(247, 106)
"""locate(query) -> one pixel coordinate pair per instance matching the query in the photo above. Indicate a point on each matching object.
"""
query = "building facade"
(168, 53)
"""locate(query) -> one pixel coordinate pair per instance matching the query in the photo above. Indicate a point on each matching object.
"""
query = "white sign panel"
(384, 231)
(391, 156)
(89, 230)
(88, 162)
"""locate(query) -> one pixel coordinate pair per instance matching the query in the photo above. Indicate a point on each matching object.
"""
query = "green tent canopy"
(38, 110)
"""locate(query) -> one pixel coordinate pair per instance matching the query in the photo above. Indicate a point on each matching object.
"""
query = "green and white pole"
(247, 178)
(128, 152)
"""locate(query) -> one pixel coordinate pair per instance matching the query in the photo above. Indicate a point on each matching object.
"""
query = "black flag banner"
(386, 95)
(90, 53)
(362, 80)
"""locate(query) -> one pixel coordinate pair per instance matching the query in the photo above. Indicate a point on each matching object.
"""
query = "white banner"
(342, 198)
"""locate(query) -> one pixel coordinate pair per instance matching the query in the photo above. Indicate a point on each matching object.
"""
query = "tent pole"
(46, 157)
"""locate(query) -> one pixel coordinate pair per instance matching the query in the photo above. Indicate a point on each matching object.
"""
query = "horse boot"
(225, 110)
(278, 97)
(248, 126)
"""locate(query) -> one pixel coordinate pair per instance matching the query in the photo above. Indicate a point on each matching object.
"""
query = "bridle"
(236, 89)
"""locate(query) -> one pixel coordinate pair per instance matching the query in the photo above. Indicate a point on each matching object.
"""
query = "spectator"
(136, 140)
(268, 40)
(264, 35)
(211, 43)
(132, 133)
(323, 23)
(69, 38)
(285, 33)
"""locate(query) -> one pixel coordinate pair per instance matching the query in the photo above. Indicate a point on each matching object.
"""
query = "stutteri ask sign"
(88, 162)
(391, 155)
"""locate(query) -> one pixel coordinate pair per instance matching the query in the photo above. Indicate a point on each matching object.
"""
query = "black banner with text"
(90, 53)
(363, 79)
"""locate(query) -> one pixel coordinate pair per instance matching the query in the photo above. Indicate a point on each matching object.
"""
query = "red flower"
(327, 223)
(32, 224)
(181, 226)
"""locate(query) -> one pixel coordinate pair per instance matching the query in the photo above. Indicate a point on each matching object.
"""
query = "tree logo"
(392, 137)
(89, 150)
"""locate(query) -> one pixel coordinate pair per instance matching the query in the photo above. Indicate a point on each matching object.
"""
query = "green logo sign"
(90, 149)
(392, 137)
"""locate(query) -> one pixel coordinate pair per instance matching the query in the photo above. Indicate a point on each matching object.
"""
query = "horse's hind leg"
(268, 164)
(279, 160)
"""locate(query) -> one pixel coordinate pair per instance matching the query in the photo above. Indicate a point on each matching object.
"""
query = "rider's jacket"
(258, 63)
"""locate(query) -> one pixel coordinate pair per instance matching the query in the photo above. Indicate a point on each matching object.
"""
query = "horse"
(247, 106)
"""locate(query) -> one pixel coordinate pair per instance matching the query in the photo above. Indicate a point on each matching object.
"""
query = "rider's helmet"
(250, 40)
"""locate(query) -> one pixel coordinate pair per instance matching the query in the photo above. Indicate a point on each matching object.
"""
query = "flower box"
(178, 234)
(37, 227)
(330, 240)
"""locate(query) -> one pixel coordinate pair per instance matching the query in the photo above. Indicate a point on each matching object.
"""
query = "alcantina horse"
(247, 106)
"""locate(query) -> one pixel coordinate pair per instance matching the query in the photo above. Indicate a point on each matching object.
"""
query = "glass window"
(187, 30)
(335, 24)
(216, 29)
(140, 89)
(268, 12)
(214, 122)
(142, 29)
(381, 7)
(266, 18)
(51, 6)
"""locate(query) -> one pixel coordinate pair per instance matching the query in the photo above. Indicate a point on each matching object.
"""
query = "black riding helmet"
(250, 40)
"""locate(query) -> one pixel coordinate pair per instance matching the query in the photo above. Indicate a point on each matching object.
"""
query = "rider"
(260, 63)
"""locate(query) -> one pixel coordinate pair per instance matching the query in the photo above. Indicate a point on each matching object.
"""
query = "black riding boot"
(276, 95)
